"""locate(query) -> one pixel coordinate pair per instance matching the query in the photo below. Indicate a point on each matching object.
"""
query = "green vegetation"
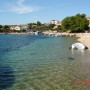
(77, 23)
(39, 23)
(42, 27)
(4, 28)
(1, 27)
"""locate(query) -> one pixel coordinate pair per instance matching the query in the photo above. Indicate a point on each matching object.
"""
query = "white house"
(56, 22)
(24, 27)
(15, 27)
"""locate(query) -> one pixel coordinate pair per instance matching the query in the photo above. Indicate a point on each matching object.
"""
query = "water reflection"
(6, 77)
(82, 52)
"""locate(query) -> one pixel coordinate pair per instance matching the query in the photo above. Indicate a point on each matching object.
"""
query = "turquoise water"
(30, 62)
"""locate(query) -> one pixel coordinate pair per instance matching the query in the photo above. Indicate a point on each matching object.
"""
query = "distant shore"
(16, 33)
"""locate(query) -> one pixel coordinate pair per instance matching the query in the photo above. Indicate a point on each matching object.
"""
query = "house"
(25, 27)
(56, 22)
(12, 27)
(15, 27)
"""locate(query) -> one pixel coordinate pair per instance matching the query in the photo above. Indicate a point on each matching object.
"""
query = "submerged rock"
(71, 58)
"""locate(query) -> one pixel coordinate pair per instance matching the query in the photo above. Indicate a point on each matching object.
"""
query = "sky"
(29, 11)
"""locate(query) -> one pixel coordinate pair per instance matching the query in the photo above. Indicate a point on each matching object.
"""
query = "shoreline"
(84, 38)
(81, 37)
(17, 33)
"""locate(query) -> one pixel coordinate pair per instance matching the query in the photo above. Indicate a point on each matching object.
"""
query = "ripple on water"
(43, 64)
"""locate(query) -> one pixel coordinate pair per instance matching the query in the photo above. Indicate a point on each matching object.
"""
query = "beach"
(84, 38)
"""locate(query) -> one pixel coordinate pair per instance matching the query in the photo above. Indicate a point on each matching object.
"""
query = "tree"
(30, 26)
(77, 23)
(65, 24)
(6, 28)
(38, 23)
(51, 26)
(1, 27)
(58, 28)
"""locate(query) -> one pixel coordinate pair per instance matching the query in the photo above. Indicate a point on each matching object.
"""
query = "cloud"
(21, 8)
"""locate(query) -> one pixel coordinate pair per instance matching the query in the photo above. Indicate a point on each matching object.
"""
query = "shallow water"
(30, 62)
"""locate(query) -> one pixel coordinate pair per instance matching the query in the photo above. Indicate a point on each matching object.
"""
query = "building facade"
(56, 22)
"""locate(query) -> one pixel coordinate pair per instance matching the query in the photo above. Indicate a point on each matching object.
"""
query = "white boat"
(36, 33)
(78, 46)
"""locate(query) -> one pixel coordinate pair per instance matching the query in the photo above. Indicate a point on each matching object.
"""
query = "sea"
(39, 62)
